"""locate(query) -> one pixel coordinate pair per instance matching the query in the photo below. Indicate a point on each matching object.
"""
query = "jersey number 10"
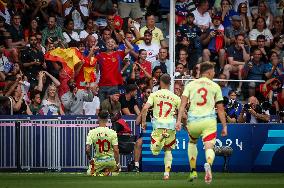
(104, 145)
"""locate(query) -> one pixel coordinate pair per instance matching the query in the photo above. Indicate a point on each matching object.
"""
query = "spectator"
(274, 67)
(233, 108)
(112, 105)
(32, 30)
(129, 105)
(16, 32)
(101, 9)
(180, 70)
(278, 47)
(238, 55)
(260, 39)
(52, 32)
(202, 16)
(193, 43)
(78, 13)
(183, 9)
(263, 11)
(33, 60)
(73, 100)
(260, 28)
(215, 40)
(92, 108)
(183, 58)
(109, 63)
(224, 85)
(158, 37)
(144, 65)
(252, 113)
(89, 30)
(35, 105)
(246, 20)
(163, 61)
(106, 35)
(156, 73)
(151, 47)
(51, 104)
(278, 29)
(227, 13)
(255, 70)
(128, 26)
(71, 37)
(234, 30)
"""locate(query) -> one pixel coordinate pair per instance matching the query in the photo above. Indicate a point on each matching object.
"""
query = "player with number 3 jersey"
(105, 143)
(203, 96)
(165, 104)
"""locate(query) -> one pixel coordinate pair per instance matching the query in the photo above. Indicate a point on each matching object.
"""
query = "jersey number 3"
(161, 104)
(203, 93)
(104, 145)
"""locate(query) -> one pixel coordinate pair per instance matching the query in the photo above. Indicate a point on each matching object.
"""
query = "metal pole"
(18, 146)
(172, 42)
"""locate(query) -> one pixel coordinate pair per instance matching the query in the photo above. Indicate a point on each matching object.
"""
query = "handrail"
(221, 80)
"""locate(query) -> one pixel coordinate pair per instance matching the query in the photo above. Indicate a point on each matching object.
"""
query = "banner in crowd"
(256, 148)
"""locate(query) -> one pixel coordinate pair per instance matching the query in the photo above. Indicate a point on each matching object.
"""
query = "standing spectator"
(33, 60)
(151, 47)
(129, 8)
(134, 54)
(52, 32)
(183, 58)
(71, 37)
(92, 108)
(128, 26)
(51, 104)
(215, 41)
(157, 34)
(78, 13)
(74, 99)
(193, 33)
(106, 35)
(144, 65)
(129, 105)
(202, 16)
(163, 61)
(246, 20)
(260, 28)
(112, 105)
(238, 55)
(109, 65)
(16, 32)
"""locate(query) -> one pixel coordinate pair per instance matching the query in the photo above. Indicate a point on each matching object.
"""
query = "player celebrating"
(164, 103)
(105, 142)
(203, 95)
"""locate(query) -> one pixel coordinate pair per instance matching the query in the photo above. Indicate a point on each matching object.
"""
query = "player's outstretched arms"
(184, 101)
(222, 117)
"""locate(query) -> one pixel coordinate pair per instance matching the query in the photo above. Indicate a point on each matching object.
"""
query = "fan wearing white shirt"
(202, 16)
(92, 108)
(69, 34)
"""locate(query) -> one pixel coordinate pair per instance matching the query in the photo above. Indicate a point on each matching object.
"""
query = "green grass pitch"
(132, 180)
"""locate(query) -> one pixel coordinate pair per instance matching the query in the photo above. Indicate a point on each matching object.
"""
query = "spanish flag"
(69, 58)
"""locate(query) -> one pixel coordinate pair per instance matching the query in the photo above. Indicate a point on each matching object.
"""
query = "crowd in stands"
(74, 57)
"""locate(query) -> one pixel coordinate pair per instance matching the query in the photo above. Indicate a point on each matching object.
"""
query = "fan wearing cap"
(215, 42)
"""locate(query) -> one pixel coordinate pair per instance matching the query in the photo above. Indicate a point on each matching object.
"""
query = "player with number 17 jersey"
(164, 104)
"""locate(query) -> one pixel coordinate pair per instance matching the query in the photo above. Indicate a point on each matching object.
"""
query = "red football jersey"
(110, 68)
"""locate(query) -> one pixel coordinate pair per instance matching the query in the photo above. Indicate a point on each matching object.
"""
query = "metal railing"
(49, 144)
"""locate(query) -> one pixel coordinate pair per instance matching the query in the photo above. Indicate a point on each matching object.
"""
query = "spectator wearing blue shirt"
(274, 67)
(227, 12)
(224, 85)
(162, 61)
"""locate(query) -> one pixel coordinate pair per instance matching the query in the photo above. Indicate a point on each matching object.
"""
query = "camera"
(247, 106)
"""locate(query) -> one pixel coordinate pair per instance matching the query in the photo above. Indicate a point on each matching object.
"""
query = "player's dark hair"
(166, 79)
(205, 66)
(103, 115)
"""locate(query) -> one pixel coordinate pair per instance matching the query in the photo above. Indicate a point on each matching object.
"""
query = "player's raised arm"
(184, 101)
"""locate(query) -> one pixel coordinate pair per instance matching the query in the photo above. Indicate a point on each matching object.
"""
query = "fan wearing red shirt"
(145, 66)
(109, 63)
